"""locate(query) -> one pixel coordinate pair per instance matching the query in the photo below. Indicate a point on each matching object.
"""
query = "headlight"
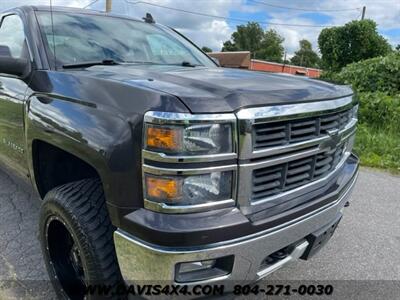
(189, 190)
(189, 135)
(177, 152)
(201, 139)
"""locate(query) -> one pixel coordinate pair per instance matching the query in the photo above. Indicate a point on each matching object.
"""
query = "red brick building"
(242, 59)
(261, 65)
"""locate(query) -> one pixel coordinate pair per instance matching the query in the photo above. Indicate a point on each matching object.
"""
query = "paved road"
(366, 245)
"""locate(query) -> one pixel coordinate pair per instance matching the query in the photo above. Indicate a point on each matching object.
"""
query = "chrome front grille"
(280, 133)
(276, 179)
(289, 150)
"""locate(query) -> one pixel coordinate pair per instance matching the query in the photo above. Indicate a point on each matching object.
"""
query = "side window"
(12, 36)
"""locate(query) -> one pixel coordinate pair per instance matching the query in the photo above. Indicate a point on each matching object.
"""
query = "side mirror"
(216, 60)
(10, 65)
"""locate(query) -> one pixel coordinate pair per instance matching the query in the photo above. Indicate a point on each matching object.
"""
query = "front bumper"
(142, 261)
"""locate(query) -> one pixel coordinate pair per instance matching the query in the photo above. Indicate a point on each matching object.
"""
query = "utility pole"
(363, 12)
(284, 62)
(108, 5)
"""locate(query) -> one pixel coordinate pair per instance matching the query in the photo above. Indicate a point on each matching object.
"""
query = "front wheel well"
(54, 167)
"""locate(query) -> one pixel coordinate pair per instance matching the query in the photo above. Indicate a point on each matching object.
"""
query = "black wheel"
(77, 239)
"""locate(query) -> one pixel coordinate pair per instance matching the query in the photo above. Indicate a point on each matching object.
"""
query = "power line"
(226, 18)
(91, 3)
(304, 9)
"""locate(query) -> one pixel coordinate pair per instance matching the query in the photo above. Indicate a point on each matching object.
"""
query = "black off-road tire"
(78, 208)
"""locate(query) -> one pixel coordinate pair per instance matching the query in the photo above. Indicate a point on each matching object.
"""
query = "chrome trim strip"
(293, 111)
(171, 171)
(173, 209)
(279, 160)
(171, 118)
(162, 157)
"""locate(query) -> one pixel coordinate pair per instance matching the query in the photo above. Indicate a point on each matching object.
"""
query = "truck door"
(12, 97)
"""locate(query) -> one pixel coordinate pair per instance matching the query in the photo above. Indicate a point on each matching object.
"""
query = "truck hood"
(207, 90)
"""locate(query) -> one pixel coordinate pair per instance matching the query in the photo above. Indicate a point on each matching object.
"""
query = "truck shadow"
(22, 271)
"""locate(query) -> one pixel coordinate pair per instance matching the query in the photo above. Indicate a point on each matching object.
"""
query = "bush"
(379, 74)
(377, 83)
(380, 111)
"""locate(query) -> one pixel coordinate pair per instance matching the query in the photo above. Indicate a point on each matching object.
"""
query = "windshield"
(83, 38)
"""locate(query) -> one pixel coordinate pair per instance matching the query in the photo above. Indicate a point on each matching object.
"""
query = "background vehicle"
(154, 163)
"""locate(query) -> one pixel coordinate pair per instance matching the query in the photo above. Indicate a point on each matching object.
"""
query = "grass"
(378, 148)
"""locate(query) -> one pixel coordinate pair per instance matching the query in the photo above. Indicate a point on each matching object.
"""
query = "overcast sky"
(212, 32)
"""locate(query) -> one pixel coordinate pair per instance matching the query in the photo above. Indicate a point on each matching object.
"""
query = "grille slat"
(293, 179)
(270, 128)
(304, 168)
(271, 136)
(267, 186)
(288, 132)
(324, 161)
(322, 170)
(264, 194)
(262, 179)
(303, 131)
(272, 143)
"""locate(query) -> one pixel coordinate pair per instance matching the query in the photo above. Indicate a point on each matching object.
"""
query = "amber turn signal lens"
(163, 188)
(163, 138)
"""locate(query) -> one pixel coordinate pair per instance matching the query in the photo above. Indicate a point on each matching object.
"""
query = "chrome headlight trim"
(165, 208)
(172, 118)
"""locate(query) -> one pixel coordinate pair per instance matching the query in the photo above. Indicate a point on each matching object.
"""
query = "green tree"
(355, 41)
(251, 37)
(206, 49)
(305, 56)
(271, 47)
(248, 37)
(229, 46)
(398, 47)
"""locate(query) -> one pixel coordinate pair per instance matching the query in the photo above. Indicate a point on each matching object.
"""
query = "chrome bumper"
(140, 261)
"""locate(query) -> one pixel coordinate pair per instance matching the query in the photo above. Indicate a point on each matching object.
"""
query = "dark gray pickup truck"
(154, 163)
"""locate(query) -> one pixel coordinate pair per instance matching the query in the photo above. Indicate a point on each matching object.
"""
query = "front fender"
(99, 121)
(100, 138)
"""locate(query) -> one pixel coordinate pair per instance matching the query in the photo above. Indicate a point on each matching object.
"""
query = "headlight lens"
(193, 139)
(189, 190)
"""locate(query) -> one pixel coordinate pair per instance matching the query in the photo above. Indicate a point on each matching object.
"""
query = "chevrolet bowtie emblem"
(335, 138)
(333, 132)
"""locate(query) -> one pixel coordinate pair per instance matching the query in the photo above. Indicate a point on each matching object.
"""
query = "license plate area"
(318, 239)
